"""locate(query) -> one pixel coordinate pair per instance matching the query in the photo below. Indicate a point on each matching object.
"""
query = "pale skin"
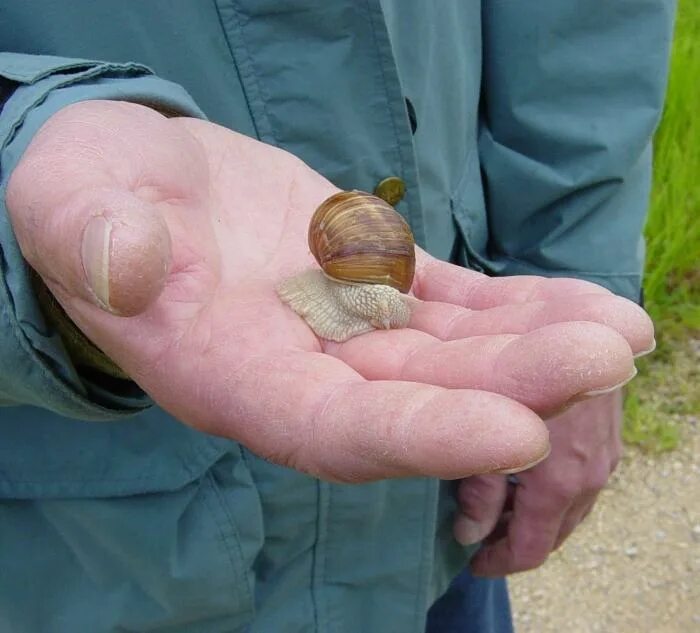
(202, 223)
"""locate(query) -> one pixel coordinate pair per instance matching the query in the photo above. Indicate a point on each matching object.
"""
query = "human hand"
(523, 524)
(163, 239)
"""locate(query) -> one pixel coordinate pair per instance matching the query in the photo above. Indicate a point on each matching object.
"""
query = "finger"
(449, 321)
(311, 412)
(81, 201)
(543, 369)
(104, 246)
(481, 501)
(576, 514)
(436, 280)
(531, 535)
(597, 478)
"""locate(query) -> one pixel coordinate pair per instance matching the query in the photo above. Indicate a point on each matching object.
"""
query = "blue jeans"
(472, 605)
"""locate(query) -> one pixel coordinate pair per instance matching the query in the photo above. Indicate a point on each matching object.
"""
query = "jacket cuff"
(35, 368)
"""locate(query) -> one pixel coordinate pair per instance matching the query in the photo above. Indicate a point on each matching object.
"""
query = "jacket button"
(391, 190)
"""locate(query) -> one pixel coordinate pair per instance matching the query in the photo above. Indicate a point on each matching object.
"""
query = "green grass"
(667, 386)
(671, 286)
(662, 396)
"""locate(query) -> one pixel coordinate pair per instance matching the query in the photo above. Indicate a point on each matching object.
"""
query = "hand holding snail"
(193, 261)
(367, 256)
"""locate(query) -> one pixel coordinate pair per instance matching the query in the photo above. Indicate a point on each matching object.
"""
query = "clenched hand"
(523, 524)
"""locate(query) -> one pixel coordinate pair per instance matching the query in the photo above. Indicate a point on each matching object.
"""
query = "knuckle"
(590, 480)
(564, 491)
(532, 549)
(477, 491)
(528, 559)
(597, 482)
(596, 478)
(566, 494)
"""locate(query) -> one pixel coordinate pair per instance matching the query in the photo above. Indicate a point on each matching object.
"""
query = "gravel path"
(634, 565)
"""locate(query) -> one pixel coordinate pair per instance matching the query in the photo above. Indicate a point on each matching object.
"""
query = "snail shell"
(359, 238)
(367, 256)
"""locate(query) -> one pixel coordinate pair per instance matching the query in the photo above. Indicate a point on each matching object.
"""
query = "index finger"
(436, 280)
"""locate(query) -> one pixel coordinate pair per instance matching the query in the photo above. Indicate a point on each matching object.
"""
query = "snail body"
(366, 252)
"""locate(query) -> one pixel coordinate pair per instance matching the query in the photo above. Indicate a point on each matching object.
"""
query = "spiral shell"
(359, 238)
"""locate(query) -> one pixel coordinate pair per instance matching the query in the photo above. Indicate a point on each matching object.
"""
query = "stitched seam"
(319, 553)
(82, 480)
(406, 163)
(569, 270)
(235, 537)
(15, 73)
(382, 73)
(421, 590)
(229, 46)
(466, 177)
(97, 71)
(250, 81)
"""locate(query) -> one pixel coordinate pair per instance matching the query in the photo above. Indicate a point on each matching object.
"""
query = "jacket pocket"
(178, 561)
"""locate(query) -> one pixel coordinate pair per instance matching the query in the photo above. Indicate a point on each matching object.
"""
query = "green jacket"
(522, 132)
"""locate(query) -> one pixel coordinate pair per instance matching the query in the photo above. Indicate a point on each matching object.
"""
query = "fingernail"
(95, 258)
(519, 469)
(601, 392)
(466, 531)
(646, 351)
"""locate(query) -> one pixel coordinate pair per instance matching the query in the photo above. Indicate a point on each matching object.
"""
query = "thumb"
(102, 245)
(481, 500)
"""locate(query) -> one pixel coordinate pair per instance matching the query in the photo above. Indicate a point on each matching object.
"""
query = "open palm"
(190, 227)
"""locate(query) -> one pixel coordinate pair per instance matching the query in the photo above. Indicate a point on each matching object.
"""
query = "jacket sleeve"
(572, 93)
(35, 368)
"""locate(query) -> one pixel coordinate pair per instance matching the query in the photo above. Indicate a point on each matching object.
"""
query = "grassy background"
(666, 389)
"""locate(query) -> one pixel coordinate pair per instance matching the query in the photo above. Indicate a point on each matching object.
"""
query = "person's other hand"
(523, 524)
(163, 240)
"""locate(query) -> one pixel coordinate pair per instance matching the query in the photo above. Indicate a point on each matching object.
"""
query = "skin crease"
(201, 223)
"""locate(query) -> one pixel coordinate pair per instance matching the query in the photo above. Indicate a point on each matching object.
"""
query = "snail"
(366, 252)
